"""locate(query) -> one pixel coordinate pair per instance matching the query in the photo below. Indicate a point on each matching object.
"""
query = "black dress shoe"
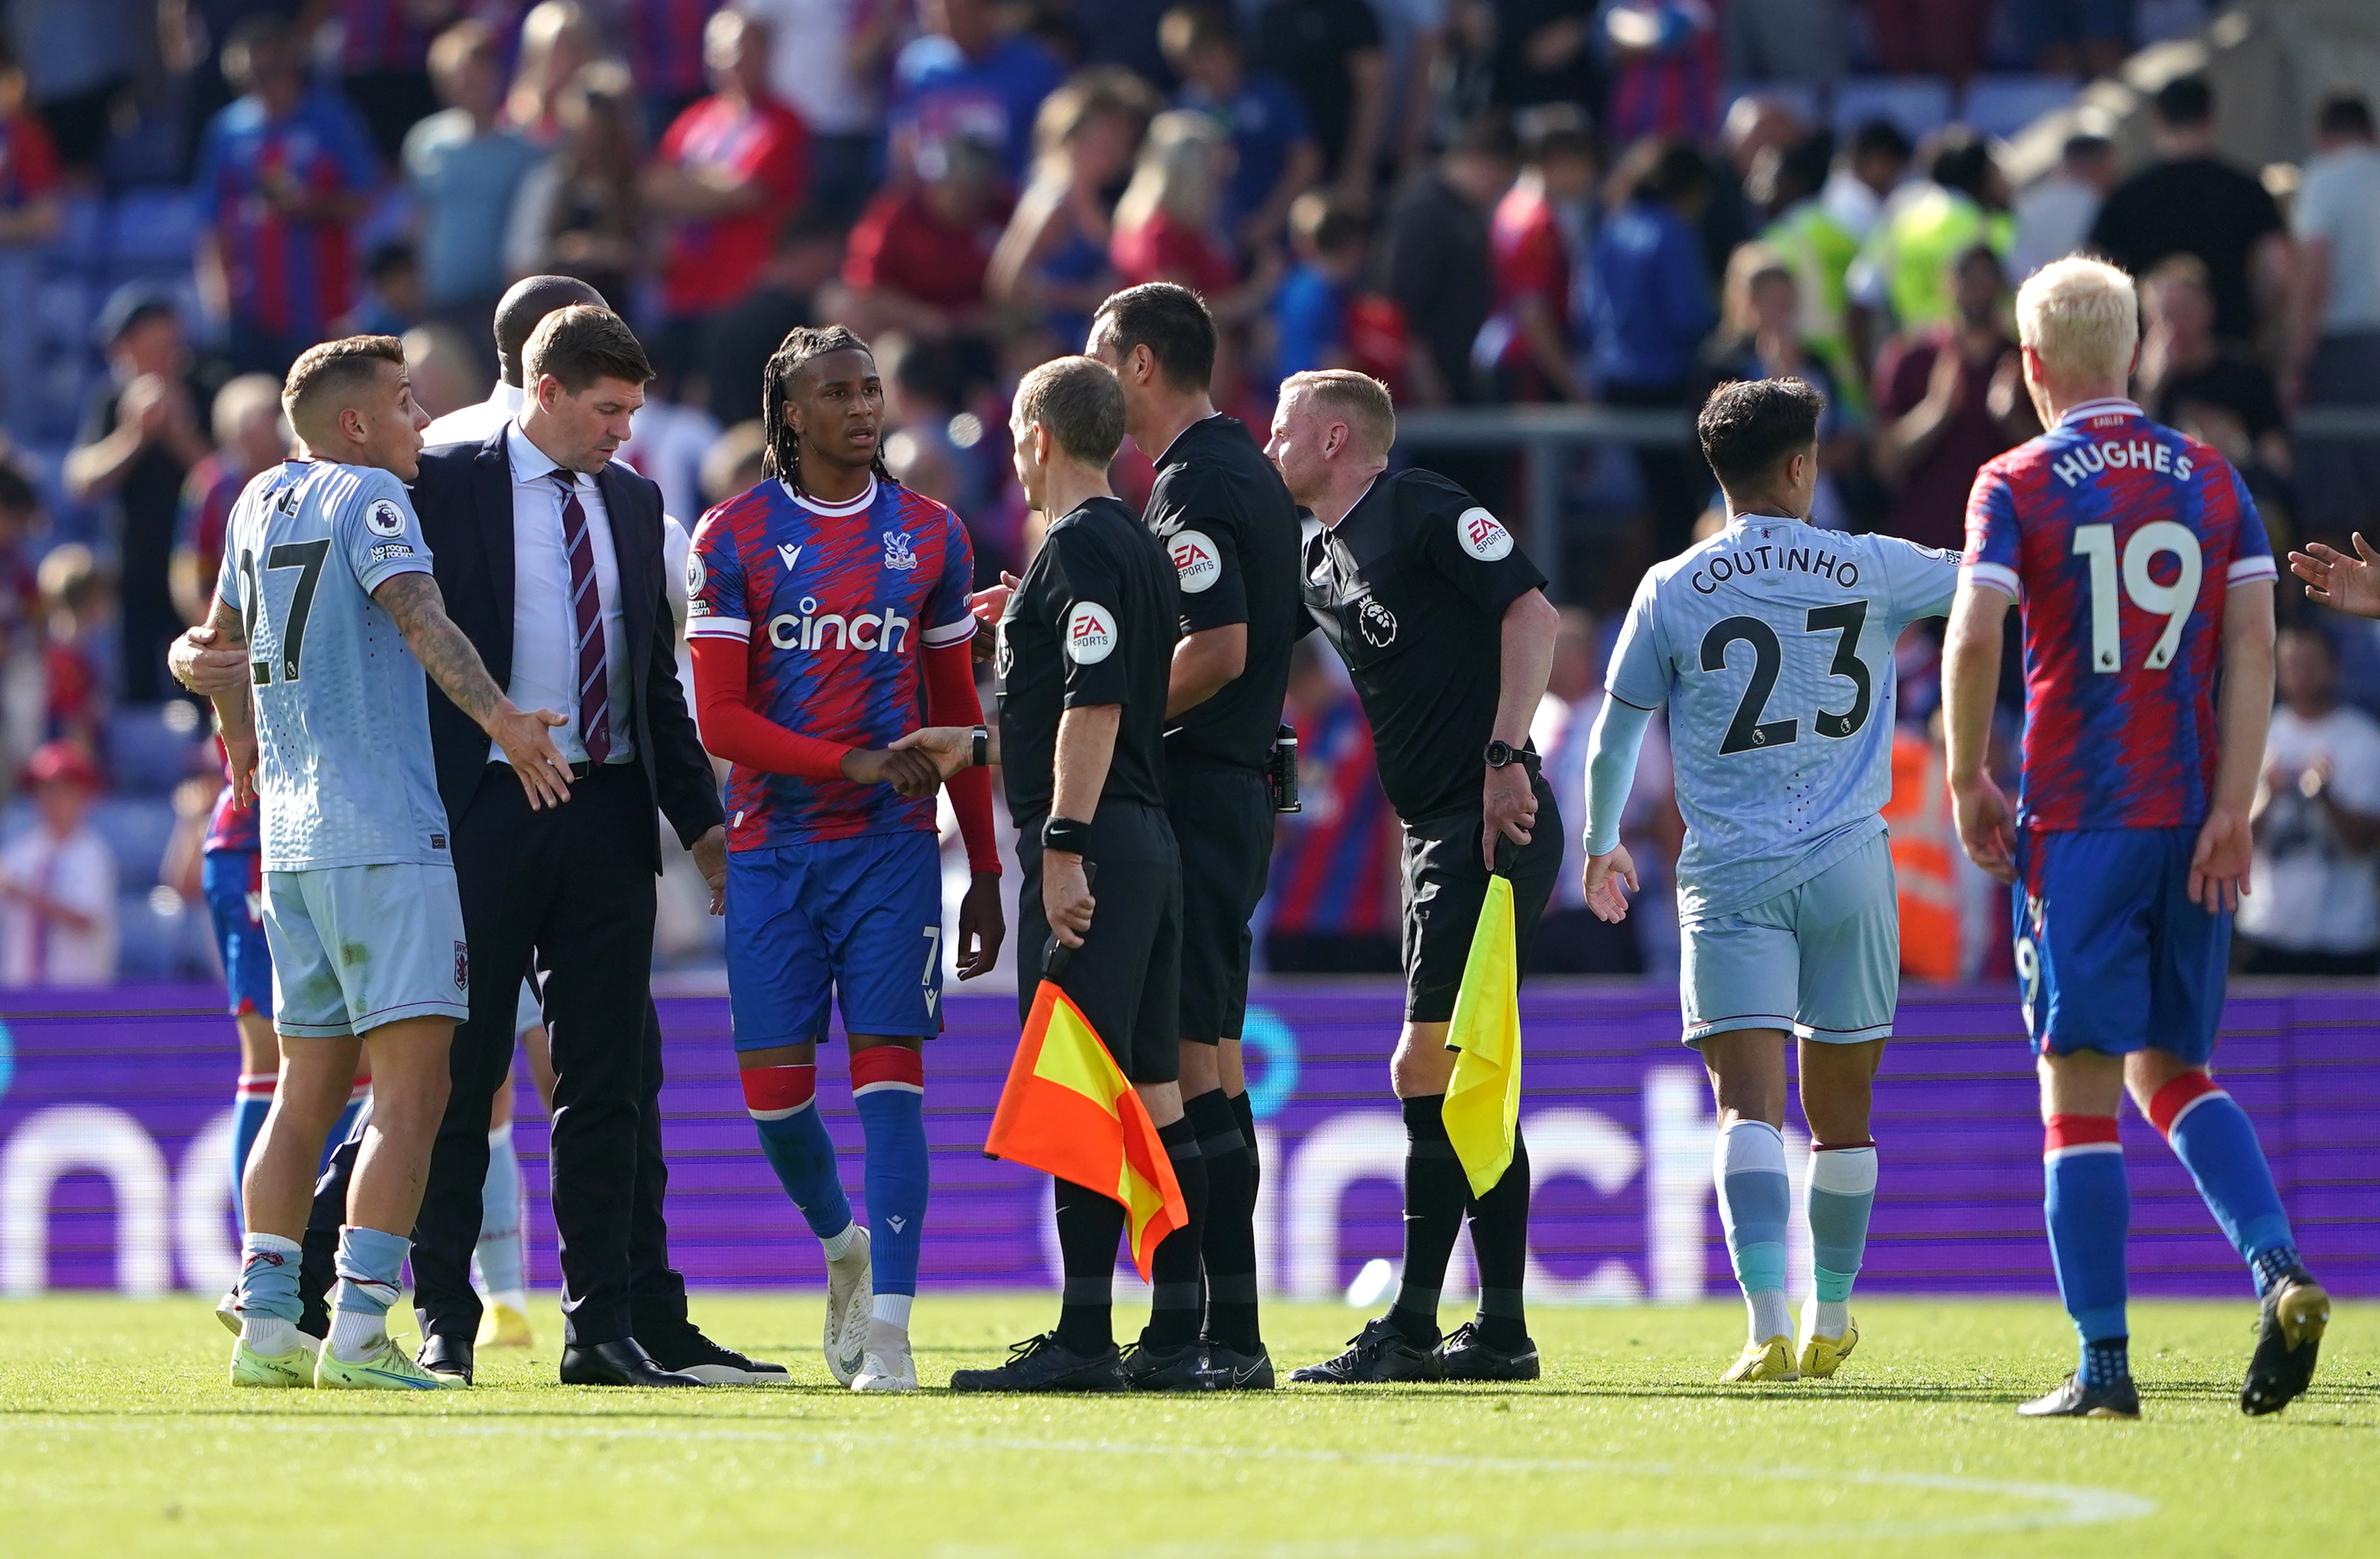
(684, 1350)
(616, 1364)
(444, 1355)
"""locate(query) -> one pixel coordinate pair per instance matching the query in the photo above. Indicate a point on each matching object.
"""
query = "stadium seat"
(1918, 104)
(147, 754)
(155, 944)
(153, 227)
(2001, 105)
(137, 828)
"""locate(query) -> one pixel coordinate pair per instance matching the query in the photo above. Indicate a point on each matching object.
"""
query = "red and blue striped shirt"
(289, 276)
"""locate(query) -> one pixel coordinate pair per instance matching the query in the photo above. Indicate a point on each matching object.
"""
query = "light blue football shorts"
(354, 947)
(1822, 959)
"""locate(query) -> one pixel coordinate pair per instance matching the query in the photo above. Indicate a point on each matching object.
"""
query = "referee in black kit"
(1085, 648)
(1445, 627)
(1233, 533)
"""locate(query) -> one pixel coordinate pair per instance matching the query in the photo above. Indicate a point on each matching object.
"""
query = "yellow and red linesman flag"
(1483, 1102)
(1067, 1109)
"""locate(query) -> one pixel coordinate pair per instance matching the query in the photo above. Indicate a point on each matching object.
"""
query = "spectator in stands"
(558, 40)
(827, 60)
(734, 463)
(384, 65)
(79, 607)
(30, 216)
(446, 370)
(1309, 311)
(2190, 378)
(1948, 398)
(924, 383)
(2333, 345)
(2190, 202)
(57, 881)
(727, 172)
(742, 339)
(465, 167)
(1053, 256)
(1440, 266)
(1759, 337)
(582, 213)
(920, 254)
(1783, 41)
(969, 78)
(1330, 52)
(392, 301)
(24, 680)
(2064, 38)
(1811, 242)
(1535, 238)
(1931, 37)
(1904, 269)
(2315, 908)
(1535, 50)
(1855, 191)
(1649, 304)
(1664, 66)
(79, 56)
(140, 436)
(283, 175)
(665, 49)
(1276, 158)
(1165, 222)
(250, 437)
(2053, 215)
(1333, 885)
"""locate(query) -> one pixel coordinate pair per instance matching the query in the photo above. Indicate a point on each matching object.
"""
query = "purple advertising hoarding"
(114, 1132)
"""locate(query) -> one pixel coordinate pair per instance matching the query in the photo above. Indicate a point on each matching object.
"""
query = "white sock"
(1825, 1318)
(355, 1334)
(837, 1246)
(510, 1298)
(268, 1334)
(894, 1307)
(1769, 1315)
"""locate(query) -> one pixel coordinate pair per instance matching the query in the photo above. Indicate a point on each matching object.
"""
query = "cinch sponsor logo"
(2115, 455)
(875, 633)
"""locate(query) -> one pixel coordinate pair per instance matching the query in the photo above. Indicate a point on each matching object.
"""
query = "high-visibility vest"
(1925, 867)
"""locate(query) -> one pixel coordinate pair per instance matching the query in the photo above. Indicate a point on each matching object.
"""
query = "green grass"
(119, 1438)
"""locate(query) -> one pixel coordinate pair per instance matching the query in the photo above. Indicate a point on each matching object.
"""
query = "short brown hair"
(582, 344)
(324, 374)
(1747, 426)
(1363, 400)
(1081, 403)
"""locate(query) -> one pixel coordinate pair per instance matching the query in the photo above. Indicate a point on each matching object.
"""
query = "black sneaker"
(1149, 1368)
(2075, 1400)
(686, 1351)
(2289, 1336)
(1465, 1357)
(1043, 1363)
(1230, 1369)
(1379, 1352)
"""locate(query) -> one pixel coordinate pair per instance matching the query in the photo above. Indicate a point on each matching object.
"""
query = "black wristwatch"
(1500, 753)
(1065, 834)
(981, 755)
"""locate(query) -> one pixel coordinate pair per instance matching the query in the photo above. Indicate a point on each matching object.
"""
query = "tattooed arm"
(234, 716)
(414, 600)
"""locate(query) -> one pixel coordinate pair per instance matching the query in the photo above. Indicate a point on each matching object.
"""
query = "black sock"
(1435, 1191)
(1247, 1113)
(1175, 1297)
(2106, 1362)
(1230, 1242)
(1088, 1226)
(1500, 1237)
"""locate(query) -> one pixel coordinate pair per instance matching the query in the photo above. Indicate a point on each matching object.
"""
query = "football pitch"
(118, 1437)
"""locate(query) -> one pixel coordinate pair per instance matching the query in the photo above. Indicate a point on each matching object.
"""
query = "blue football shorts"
(233, 884)
(1820, 960)
(857, 919)
(2111, 953)
(354, 947)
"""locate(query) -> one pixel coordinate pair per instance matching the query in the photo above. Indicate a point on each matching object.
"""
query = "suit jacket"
(463, 497)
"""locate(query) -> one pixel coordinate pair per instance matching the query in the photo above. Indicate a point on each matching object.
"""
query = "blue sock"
(1842, 1195)
(2089, 1208)
(504, 1264)
(2213, 1137)
(888, 1084)
(268, 1277)
(783, 1104)
(371, 1265)
(1755, 1198)
(250, 1104)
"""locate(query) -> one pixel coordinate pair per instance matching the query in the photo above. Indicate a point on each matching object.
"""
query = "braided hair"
(782, 457)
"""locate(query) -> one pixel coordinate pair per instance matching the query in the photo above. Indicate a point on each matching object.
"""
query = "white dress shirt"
(477, 424)
(545, 632)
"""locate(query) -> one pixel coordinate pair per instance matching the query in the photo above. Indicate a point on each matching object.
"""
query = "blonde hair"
(243, 399)
(1358, 398)
(2083, 317)
(1180, 172)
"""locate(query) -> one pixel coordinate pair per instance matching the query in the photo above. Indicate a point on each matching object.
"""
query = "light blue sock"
(502, 1260)
(1755, 1197)
(783, 1105)
(268, 1277)
(1841, 1194)
(371, 1271)
(2088, 1204)
(2213, 1137)
(250, 1104)
(888, 1090)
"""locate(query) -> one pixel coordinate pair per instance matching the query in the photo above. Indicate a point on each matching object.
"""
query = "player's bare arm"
(1086, 737)
(203, 662)
(419, 608)
(234, 716)
(2351, 584)
(951, 747)
(1971, 673)
(1510, 801)
(2218, 866)
(1205, 663)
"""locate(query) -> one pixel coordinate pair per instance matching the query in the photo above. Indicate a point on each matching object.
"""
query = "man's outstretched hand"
(911, 774)
(2349, 584)
(951, 747)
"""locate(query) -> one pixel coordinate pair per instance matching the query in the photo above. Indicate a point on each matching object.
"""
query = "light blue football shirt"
(1772, 645)
(342, 707)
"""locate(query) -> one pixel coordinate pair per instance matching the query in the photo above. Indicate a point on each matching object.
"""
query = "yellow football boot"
(1821, 1357)
(386, 1368)
(501, 1326)
(1771, 1361)
(294, 1369)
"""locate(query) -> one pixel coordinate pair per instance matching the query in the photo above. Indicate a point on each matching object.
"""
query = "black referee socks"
(1089, 1223)
(1247, 1113)
(1173, 1304)
(1500, 1238)
(1230, 1244)
(1435, 1194)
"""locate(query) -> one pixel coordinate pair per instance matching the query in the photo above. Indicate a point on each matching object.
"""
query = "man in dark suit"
(550, 557)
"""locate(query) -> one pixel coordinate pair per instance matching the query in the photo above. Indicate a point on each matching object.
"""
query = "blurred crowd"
(1612, 203)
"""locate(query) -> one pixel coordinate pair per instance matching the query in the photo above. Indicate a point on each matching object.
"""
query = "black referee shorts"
(1222, 822)
(1445, 886)
(1126, 977)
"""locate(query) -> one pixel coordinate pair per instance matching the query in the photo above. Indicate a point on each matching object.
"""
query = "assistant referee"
(1232, 531)
(1445, 627)
(1085, 647)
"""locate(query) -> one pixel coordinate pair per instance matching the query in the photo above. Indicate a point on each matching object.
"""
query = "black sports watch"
(980, 755)
(1500, 753)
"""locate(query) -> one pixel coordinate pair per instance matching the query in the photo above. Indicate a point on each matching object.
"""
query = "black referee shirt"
(1232, 530)
(1411, 589)
(1091, 623)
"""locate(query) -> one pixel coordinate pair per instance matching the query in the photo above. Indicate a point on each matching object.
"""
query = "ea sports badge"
(384, 519)
(1483, 535)
(1195, 563)
(1090, 634)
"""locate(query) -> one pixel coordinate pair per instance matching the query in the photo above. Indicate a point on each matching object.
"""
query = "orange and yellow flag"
(1067, 1109)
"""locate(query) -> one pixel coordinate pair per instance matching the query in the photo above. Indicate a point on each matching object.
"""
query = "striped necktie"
(586, 617)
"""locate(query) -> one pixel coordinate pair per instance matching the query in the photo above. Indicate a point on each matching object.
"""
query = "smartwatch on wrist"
(981, 754)
(1501, 754)
(1065, 834)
